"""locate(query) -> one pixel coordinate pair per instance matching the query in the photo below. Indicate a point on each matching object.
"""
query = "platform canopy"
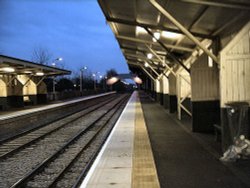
(171, 30)
(10, 65)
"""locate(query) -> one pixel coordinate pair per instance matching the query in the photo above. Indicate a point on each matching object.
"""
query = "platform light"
(146, 64)
(149, 56)
(27, 72)
(137, 80)
(112, 80)
(157, 35)
(57, 59)
(7, 69)
(140, 30)
(171, 35)
(39, 74)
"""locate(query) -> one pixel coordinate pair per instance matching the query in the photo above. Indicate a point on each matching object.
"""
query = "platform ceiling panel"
(121, 9)
(145, 13)
(125, 30)
(205, 19)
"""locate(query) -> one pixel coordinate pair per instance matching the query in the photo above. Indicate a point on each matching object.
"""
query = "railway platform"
(31, 109)
(150, 148)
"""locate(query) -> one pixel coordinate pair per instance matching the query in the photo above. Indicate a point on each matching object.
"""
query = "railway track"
(20, 125)
(61, 157)
(27, 138)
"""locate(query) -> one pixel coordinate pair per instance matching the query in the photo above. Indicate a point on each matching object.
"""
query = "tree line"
(42, 55)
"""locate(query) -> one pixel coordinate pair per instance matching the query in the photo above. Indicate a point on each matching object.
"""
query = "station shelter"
(193, 56)
(21, 82)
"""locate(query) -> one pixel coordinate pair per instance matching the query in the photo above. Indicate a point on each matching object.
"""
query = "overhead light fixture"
(149, 56)
(140, 30)
(146, 64)
(171, 35)
(137, 80)
(27, 72)
(157, 35)
(112, 80)
(7, 69)
(39, 74)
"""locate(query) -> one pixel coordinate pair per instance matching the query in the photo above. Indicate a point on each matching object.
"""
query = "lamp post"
(81, 77)
(94, 76)
(54, 85)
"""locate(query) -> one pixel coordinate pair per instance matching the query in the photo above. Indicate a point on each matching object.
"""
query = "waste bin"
(237, 118)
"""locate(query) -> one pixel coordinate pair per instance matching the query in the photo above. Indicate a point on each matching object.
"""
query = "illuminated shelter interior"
(22, 81)
(191, 54)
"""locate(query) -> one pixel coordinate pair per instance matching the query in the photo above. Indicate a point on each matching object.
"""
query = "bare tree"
(110, 73)
(41, 55)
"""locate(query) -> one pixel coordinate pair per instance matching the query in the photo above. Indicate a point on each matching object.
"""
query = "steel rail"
(23, 181)
(57, 119)
(15, 150)
(84, 171)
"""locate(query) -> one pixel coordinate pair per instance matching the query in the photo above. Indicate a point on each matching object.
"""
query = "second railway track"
(61, 158)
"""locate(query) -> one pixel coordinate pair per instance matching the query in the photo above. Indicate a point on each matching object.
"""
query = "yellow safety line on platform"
(144, 173)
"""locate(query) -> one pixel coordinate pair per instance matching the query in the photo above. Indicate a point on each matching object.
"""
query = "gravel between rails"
(20, 125)
(14, 167)
(39, 133)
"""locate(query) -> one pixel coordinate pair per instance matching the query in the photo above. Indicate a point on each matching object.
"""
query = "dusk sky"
(75, 30)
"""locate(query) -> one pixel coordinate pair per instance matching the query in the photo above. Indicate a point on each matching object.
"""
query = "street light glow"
(112, 80)
(137, 80)
(57, 59)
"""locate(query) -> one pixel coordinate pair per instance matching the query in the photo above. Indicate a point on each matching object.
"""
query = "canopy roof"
(136, 22)
(19, 66)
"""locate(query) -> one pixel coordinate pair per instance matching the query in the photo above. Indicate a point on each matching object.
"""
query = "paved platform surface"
(126, 159)
(181, 160)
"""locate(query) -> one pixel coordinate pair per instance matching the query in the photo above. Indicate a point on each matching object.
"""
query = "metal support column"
(183, 29)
